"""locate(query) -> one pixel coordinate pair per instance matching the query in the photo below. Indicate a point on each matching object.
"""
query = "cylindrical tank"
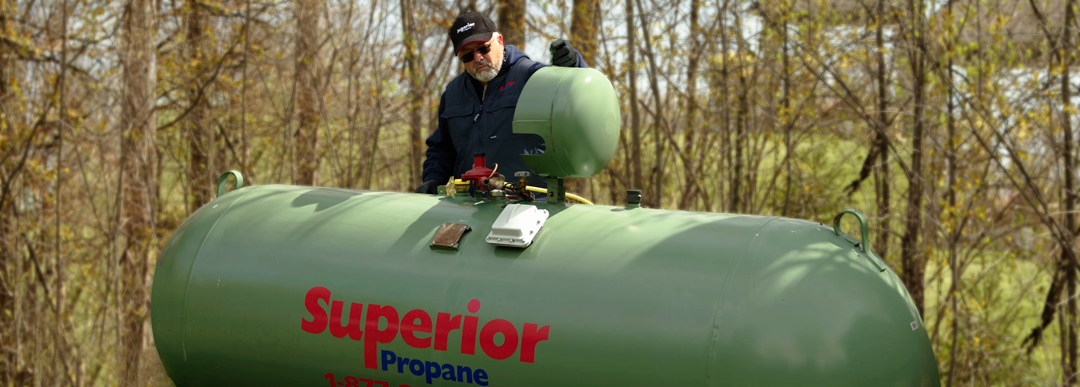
(299, 286)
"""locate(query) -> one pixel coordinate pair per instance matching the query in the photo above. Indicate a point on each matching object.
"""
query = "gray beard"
(488, 74)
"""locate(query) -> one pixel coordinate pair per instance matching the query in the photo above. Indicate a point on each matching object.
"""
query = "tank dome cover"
(576, 111)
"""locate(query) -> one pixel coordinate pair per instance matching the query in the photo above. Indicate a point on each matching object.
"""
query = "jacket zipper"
(478, 134)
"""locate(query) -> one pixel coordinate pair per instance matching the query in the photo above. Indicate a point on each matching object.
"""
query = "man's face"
(483, 67)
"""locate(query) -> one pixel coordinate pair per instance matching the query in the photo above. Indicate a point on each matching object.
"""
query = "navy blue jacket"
(473, 123)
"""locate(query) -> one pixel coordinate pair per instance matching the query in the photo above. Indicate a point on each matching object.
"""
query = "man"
(477, 106)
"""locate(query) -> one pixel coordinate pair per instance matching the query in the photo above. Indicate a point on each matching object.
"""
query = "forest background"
(950, 123)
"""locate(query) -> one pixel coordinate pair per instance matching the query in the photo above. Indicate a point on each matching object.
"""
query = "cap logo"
(466, 27)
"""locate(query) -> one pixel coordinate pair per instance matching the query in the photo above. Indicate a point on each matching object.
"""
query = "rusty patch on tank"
(449, 235)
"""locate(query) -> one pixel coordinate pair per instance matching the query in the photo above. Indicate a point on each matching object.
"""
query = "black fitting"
(633, 196)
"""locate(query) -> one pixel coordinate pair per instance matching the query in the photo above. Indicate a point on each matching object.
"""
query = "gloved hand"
(429, 187)
(563, 54)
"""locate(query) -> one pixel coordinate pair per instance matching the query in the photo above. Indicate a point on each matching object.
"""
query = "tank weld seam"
(551, 121)
(714, 327)
(191, 270)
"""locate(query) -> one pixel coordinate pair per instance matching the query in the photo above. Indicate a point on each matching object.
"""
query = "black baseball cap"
(471, 27)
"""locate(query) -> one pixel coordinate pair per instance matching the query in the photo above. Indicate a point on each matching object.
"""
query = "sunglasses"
(468, 57)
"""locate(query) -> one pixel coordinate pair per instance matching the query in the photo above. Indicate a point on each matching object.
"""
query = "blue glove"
(563, 54)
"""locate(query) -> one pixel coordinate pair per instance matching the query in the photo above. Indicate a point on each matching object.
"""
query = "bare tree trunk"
(308, 94)
(368, 156)
(416, 97)
(352, 107)
(512, 22)
(198, 134)
(654, 75)
(220, 126)
(139, 187)
(951, 182)
(1070, 190)
(60, 350)
(8, 253)
(584, 26)
(725, 113)
(881, 244)
(737, 202)
(635, 115)
(244, 89)
(910, 256)
(690, 103)
(8, 56)
(786, 113)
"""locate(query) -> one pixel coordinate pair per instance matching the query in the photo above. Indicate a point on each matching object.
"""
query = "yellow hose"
(568, 195)
(543, 191)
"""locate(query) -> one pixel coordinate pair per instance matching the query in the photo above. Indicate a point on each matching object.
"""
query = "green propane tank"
(302, 286)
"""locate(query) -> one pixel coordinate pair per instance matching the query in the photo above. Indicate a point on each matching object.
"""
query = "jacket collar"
(511, 55)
